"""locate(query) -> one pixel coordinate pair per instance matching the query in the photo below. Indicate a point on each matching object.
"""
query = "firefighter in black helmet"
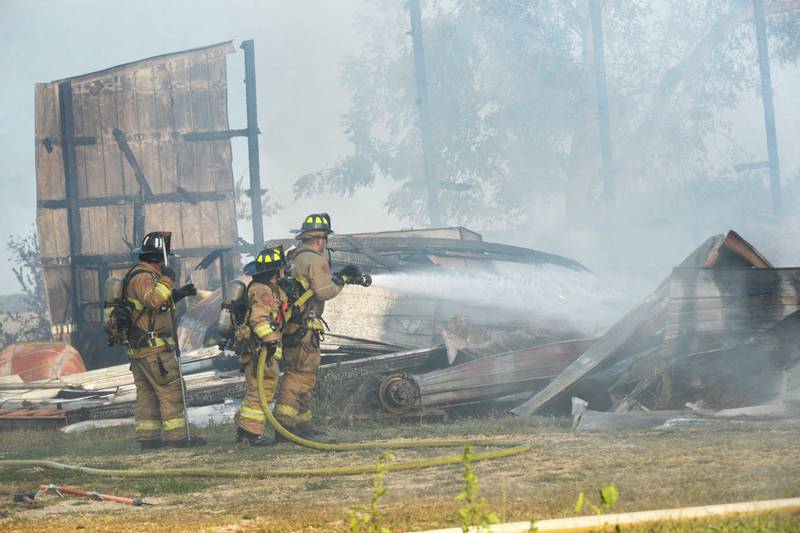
(159, 400)
(266, 304)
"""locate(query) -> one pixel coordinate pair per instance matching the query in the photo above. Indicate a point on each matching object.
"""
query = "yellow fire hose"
(507, 449)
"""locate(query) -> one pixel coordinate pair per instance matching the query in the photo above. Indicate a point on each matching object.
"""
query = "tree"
(32, 323)
(511, 90)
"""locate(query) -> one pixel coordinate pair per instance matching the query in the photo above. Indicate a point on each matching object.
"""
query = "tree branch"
(740, 12)
(573, 16)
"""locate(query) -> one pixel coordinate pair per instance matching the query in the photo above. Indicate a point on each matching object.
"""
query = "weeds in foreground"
(368, 520)
(608, 496)
(475, 511)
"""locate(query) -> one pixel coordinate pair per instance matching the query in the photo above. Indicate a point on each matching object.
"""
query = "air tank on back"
(232, 305)
(112, 294)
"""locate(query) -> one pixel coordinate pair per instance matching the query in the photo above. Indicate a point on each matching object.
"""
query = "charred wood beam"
(122, 142)
(145, 191)
(189, 196)
(180, 196)
(68, 155)
(224, 135)
(48, 143)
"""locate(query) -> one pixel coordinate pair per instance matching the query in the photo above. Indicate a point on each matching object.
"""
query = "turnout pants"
(250, 416)
(159, 403)
(293, 407)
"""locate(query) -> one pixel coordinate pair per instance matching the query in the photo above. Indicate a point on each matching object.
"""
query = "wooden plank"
(113, 160)
(52, 232)
(92, 170)
(57, 286)
(222, 163)
(49, 166)
(210, 230)
(155, 220)
(80, 131)
(690, 316)
(690, 305)
(191, 225)
(87, 226)
(721, 327)
(734, 276)
(201, 121)
(182, 123)
(119, 228)
(144, 138)
(163, 125)
(127, 122)
(226, 210)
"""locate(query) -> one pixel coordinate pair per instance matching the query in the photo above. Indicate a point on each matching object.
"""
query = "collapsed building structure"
(720, 332)
(148, 144)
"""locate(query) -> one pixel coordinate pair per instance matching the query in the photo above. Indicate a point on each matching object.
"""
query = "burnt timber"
(483, 379)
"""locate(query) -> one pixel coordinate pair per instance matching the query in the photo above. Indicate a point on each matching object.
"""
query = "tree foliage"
(32, 323)
(513, 108)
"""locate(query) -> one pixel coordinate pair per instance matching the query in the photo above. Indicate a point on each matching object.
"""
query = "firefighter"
(266, 304)
(159, 399)
(302, 334)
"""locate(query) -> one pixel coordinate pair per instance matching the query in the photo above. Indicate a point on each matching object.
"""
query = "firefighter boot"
(191, 443)
(252, 439)
(152, 444)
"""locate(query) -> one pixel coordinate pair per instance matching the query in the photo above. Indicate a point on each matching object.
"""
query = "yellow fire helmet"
(268, 260)
(315, 225)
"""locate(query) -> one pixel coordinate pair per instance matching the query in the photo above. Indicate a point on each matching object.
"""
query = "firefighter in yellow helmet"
(148, 288)
(266, 304)
(301, 336)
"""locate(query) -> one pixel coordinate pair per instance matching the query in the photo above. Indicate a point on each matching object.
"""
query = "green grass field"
(652, 469)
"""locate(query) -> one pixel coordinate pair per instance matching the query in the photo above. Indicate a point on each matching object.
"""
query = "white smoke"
(544, 292)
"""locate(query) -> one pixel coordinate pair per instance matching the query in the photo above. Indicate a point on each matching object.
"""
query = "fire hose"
(507, 448)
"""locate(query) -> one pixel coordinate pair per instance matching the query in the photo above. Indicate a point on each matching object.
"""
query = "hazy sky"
(299, 48)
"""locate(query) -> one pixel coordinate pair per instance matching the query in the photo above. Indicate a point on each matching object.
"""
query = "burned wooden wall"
(119, 153)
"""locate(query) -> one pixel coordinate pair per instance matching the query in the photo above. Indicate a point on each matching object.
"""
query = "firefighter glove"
(187, 290)
(274, 350)
(350, 271)
(168, 272)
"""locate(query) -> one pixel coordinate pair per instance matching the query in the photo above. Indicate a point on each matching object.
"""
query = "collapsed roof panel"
(726, 250)
(411, 248)
(722, 294)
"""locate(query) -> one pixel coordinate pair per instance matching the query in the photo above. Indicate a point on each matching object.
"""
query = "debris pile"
(721, 331)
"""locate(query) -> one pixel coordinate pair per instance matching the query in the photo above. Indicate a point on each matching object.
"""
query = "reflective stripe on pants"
(250, 417)
(293, 406)
(158, 397)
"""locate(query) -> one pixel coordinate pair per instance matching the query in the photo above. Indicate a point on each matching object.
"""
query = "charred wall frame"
(83, 333)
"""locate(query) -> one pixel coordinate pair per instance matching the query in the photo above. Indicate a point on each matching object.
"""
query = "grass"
(652, 469)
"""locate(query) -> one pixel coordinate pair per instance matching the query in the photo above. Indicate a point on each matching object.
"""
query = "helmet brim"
(312, 234)
(251, 269)
(140, 251)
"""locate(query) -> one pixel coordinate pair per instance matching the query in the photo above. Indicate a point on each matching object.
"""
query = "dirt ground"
(652, 468)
